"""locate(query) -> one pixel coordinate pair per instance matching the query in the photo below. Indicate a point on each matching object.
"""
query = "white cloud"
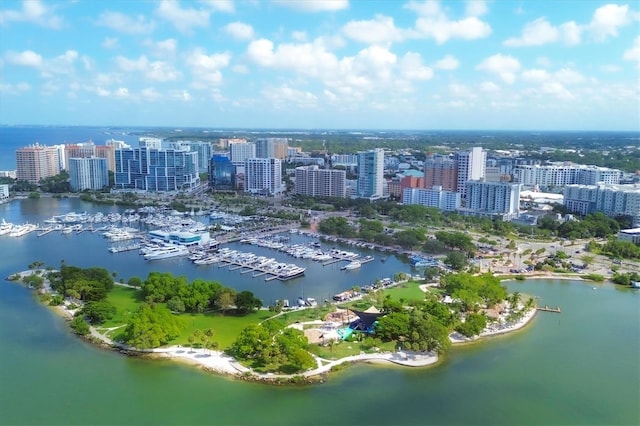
(285, 96)
(476, 8)
(239, 30)
(220, 5)
(184, 20)
(448, 63)
(181, 95)
(556, 89)
(33, 11)
(412, 68)
(110, 43)
(570, 33)
(121, 92)
(124, 23)
(62, 64)
(27, 58)
(206, 69)
(379, 30)
(505, 67)
(461, 91)
(240, 69)
(433, 23)
(150, 94)
(489, 87)
(608, 19)
(14, 89)
(155, 71)
(535, 33)
(535, 75)
(299, 35)
(633, 53)
(313, 5)
(162, 48)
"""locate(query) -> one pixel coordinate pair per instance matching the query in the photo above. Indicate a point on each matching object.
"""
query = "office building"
(612, 200)
(565, 174)
(263, 176)
(240, 151)
(37, 162)
(272, 148)
(317, 182)
(471, 166)
(88, 173)
(371, 174)
(149, 169)
(221, 173)
(492, 199)
(433, 197)
(440, 170)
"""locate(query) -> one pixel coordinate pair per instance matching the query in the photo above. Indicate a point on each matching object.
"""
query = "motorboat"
(351, 265)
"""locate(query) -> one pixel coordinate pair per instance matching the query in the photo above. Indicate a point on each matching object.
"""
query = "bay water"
(578, 367)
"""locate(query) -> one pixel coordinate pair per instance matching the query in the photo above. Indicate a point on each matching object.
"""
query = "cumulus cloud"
(150, 94)
(206, 69)
(35, 12)
(412, 68)
(27, 58)
(220, 5)
(285, 95)
(162, 48)
(110, 43)
(379, 30)
(184, 20)
(14, 89)
(608, 19)
(153, 70)
(633, 53)
(239, 30)
(124, 23)
(448, 63)
(540, 31)
(433, 23)
(504, 66)
(313, 5)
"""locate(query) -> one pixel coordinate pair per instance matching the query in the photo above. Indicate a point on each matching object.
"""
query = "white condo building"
(241, 151)
(4, 192)
(612, 200)
(471, 166)
(371, 174)
(565, 174)
(149, 142)
(492, 199)
(263, 176)
(88, 173)
(317, 182)
(434, 197)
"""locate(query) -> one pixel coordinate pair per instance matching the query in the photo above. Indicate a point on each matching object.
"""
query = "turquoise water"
(578, 367)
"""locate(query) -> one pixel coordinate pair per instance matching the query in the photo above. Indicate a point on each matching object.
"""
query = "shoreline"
(220, 363)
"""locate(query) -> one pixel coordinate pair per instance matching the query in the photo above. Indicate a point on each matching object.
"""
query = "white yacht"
(352, 265)
(20, 230)
(6, 227)
(167, 252)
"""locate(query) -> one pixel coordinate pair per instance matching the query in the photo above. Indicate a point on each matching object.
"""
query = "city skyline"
(543, 65)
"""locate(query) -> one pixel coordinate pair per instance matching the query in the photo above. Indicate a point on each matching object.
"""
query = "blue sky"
(375, 64)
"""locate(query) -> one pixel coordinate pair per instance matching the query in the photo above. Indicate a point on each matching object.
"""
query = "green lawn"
(308, 314)
(226, 328)
(405, 292)
(126, 300)
(345, 349)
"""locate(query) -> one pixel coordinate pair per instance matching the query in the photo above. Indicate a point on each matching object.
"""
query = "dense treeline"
(595, 225)
(87, 285)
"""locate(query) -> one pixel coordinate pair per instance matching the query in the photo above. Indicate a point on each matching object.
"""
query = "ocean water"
(579, 367)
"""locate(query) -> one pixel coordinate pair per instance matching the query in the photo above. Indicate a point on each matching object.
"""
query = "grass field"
(405, 292)
(126, 300)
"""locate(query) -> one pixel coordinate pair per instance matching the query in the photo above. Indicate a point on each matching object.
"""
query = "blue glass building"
(222, 173)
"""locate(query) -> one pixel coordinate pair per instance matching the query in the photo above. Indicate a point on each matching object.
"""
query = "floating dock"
(548, 309)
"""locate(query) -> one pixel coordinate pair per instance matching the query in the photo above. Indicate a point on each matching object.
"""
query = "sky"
(322, 64)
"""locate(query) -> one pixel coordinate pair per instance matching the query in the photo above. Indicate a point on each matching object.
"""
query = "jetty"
(548, 309)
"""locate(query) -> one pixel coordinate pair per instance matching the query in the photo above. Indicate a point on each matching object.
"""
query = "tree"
(431, 273)
(175, 304)
(151, 326)
(456, 260)
(98, 312)
(80, 326)
(247, 302)
(225, 301)
(473, 325)
(135, 282)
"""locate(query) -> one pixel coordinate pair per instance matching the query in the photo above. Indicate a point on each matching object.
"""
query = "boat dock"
(548, 309)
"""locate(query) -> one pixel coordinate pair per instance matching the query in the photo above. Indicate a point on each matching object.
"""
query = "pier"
(548, 309)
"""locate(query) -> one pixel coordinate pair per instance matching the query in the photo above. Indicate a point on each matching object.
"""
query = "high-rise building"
(263, 176)
(36, 162)
(371, 174)
(149, 169)
(317, 182)
(108, 152)
(440, 170)
(492, 199)
(436, 197)
(78, 150)
(471, 166)
(221, 173)
(240, 151)
(203, 148)
(149, 142)
(565, 174)
(612, 200)
(4, 192)
(272, 148)
(88, 173)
